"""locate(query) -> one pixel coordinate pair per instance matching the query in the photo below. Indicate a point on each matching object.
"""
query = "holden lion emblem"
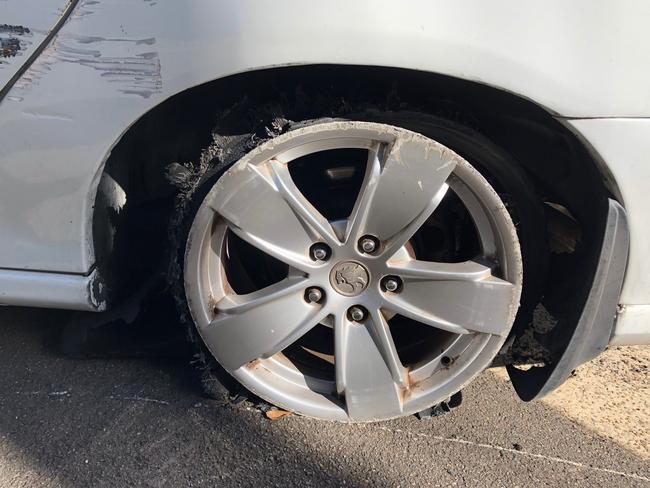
(349, 278)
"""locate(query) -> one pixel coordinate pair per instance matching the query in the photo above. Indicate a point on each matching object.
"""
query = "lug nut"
(392, 283)
(368, 244)
(314, 295)
(320, 252)
(357, 313)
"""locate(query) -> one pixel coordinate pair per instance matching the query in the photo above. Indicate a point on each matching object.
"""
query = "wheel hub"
(349, 278)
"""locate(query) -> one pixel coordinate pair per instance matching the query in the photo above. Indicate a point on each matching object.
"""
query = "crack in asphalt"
(517, 452)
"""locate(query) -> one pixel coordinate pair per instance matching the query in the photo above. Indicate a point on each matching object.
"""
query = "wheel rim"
(356, 289)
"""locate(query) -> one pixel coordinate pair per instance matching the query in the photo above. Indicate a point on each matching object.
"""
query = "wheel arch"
(132, 186)
(493, 111)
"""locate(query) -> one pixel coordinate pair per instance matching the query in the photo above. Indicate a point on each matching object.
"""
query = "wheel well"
(134, 198)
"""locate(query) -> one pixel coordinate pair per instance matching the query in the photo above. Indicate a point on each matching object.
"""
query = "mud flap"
(596, 322)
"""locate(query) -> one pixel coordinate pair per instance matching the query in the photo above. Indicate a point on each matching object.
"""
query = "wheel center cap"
(349, 278)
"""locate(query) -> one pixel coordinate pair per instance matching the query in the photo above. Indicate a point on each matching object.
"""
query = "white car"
(359, 206)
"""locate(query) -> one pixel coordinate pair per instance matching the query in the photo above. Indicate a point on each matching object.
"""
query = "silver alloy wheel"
(407, 175)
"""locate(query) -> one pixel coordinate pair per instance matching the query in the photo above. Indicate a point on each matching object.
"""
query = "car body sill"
(52, 290)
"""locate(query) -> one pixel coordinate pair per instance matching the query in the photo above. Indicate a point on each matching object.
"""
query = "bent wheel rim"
(253, 335)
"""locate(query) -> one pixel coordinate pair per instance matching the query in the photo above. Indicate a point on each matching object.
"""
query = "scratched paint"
(24, 26)
(129, 64)
(139, 73)
(84, 8)
(14, 39)
(9, 47)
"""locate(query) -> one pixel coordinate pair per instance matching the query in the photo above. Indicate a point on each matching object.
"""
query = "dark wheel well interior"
(135, 199)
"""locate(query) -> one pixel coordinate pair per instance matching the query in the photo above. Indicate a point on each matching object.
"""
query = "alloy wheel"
(348, 317)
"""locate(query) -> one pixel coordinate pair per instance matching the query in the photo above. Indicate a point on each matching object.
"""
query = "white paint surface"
(115, 60)
(38, 16)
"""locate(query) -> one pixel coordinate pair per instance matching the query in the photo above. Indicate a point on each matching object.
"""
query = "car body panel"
(52, 290)
(624, 144)
(24, 26)
(114, 61)
(631, 326)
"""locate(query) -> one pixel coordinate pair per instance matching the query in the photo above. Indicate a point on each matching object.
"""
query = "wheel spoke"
(459, 298)
(262, 323)
(301, 206)
(260, 207)
(425, 270)
(362, 206)
(405, 233)
(362, 374)
(404, 184)
(384, 341)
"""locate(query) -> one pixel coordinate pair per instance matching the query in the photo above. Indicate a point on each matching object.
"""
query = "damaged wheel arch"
(529, 134)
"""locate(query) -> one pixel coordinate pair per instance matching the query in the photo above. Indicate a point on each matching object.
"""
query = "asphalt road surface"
(144, 422)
